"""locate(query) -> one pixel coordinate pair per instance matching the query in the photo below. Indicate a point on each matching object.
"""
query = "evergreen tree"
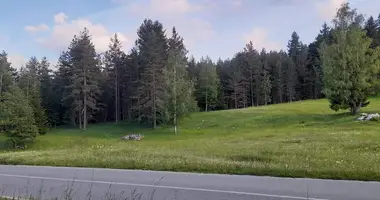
(236, 82)
(152, 46)
(350, 67)
(372, 32)
(289, 81)
(179, 99)
(266, 84)
(296, 53)
(16, 116)
(81, 66)
(29, 82)
(47, 93)
(207, 84)
(253, 63)
(130, 84)
(114, 61)
(5, 72)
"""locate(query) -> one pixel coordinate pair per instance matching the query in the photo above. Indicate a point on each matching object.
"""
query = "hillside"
(301, 139)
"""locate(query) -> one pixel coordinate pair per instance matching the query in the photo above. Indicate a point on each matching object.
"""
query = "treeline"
(156, 83)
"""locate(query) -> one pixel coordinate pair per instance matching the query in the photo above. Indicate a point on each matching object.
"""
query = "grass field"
(301, 139)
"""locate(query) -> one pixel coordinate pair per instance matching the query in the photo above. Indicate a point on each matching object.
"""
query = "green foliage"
(350, 67)
(16, 117)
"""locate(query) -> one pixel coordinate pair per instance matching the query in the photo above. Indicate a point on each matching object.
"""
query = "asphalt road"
(88, 183)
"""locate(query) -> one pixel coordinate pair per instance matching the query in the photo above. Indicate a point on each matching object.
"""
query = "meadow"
(300, 139)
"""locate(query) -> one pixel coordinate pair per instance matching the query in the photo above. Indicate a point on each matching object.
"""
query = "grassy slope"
(302, 139)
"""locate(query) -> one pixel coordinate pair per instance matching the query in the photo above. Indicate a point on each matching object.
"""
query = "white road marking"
(162, 186)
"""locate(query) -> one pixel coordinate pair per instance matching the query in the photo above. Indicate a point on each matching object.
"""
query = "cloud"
(164, 7)
(60, 18)
(17, 61)
(37, 28)
(183, 14)
(63, 32)
(327, 8)
(259, 38)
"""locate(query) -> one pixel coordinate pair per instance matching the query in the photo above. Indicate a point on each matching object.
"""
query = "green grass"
(301, 139)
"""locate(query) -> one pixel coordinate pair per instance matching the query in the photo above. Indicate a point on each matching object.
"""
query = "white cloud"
(328, 8)
(63, 32)
(37, 28)
(60, 18)
(176, 13)
(259, 38)
(165, 7)
(17, 61)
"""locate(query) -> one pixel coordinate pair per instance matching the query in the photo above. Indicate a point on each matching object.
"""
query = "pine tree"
(179, 99)
(114, 61)
(295, 52)
(81, 65)
(236, 82)
(5, 72)
(289, 81)
(253, 63)
(350, 66)
(266, 84)
(372, 32)
(16, 116)
(130, 84)
(152, 46)
(207, 85)
(47, 93)
(29, 82)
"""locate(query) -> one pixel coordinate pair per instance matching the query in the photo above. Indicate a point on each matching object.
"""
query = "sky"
(217, 28)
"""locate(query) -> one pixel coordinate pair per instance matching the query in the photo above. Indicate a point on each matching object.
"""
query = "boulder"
(368, 117)
(136, 137)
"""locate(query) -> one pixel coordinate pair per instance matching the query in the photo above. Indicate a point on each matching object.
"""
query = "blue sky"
(218, 28)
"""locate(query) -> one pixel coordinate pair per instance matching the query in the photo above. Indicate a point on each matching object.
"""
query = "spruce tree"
(152, 47)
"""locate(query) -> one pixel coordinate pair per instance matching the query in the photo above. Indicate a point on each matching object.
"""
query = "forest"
(158, 82)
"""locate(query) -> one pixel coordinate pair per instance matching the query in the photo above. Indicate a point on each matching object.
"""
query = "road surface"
(89, 183)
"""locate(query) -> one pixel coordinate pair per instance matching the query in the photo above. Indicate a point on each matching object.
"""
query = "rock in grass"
(136, 137)
(369, 117)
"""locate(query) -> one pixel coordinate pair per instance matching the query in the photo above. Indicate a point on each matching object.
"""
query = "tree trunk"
(85, 103)
(206, 100)
(356, 108)
(251, 83)
(1, 83)
(116, 95)
(175, 99)
(235, 96)
(154, 109)
(80, 118)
